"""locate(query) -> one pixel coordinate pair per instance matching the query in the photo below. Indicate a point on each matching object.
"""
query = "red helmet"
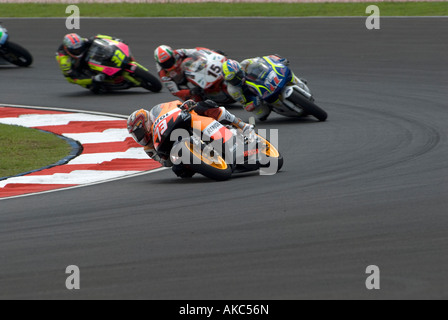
(164, 56)
(139, 126)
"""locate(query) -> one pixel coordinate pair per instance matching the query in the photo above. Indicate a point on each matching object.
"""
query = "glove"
(171, 86)
(208, 104)
(251, 106)
(99, 78)
(188, 105)
(154, 156)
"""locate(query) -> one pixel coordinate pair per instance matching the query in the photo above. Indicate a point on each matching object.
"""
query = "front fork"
(295, 85)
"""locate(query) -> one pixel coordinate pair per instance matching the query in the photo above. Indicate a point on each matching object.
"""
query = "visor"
(168, 63)
(139, 134)
(77, 52)
(235, 81)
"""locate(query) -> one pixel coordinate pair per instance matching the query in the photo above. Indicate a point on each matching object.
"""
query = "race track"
(368, 187)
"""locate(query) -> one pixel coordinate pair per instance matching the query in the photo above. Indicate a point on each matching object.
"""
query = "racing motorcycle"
(203, 73)
(114, 60)
(273, 81)
(197, 144)
(12, 52)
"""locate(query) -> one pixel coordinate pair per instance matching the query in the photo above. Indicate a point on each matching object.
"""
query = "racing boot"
(225, 115)
(247, 128)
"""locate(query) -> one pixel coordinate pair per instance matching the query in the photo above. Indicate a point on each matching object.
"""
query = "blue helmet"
(233, 73)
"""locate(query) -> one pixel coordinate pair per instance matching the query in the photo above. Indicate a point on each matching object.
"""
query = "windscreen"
(100, 51)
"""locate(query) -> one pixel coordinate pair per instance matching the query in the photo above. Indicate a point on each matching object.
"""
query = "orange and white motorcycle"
(198, 144)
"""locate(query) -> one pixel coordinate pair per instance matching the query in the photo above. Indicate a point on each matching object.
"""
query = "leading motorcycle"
(197, 144)
(12, 52)
(114, 60)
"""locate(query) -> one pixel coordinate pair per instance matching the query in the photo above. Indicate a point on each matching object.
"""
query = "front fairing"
(203, 69)
(268, 79)
(108, 56)
(166, 119)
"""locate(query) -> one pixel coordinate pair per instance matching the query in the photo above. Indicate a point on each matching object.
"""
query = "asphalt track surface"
(367, 187)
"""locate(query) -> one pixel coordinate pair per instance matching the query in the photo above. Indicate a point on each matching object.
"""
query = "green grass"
(227, 9)
(23, 149)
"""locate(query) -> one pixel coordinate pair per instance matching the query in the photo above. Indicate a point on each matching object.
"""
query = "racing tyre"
(308, 106)
(17, 55)
(148, 81)
(201, 162)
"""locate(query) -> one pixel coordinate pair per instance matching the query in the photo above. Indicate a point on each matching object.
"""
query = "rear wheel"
(308, 106)
(17, 55)
(148, 81)
(213, 167)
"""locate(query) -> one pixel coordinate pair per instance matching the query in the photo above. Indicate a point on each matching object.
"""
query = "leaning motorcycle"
(273, 83)
(203, 72)
(198, 144)
(12, 52)
(114, 59)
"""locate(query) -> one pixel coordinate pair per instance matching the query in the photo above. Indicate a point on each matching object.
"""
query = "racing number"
(161, 128)
(118, 58)
(216, 69)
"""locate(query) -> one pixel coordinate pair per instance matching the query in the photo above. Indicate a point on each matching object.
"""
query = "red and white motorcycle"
(203, 71)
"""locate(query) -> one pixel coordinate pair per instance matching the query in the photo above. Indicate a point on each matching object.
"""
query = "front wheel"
(148, 81)
(17, 55)
(272, 155)
(203, 161)
(308, 106)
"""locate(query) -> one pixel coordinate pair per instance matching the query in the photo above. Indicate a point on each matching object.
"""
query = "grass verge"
(227, 9)
(24, 149)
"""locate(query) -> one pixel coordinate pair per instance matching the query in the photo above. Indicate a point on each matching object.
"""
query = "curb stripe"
(109, 146)
(84, 127)
(108, 153)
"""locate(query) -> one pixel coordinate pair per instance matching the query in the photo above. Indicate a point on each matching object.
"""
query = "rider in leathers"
(235, 74)
(71, 57)
(171, 73)
(139, 124)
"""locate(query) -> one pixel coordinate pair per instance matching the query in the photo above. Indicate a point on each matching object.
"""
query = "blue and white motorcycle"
(282, 92)
(12, 52)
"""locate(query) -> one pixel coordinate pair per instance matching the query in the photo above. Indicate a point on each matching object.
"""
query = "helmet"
(164, 56)
(232, 72)
(139, 126)
(74, 45)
